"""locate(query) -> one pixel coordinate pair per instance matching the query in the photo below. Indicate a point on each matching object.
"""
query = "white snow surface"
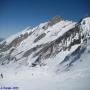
(38, 78)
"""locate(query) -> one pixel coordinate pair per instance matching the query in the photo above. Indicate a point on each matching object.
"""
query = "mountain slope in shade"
(57, 48)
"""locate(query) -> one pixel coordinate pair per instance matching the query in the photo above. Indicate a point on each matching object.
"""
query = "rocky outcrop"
(14, 43)
(40, 37)
(54, 20)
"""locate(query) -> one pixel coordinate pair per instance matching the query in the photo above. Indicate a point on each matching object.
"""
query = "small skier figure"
(1, 75)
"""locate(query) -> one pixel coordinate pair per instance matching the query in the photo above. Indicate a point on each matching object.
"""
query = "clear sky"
(16, 15)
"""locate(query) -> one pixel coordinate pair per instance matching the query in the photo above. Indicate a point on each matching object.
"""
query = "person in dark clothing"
(1, 75)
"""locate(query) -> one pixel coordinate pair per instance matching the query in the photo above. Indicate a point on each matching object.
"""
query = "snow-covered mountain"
(57, 46)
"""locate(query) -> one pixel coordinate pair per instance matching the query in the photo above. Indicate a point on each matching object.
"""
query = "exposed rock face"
(14, 43)
(54, 20)
(73, 57)
(40, 37)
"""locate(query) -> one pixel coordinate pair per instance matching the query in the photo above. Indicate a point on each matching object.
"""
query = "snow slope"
(41, 79)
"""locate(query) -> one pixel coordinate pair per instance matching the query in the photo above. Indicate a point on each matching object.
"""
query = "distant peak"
(58, 18)
(54, 20)
(84, 18)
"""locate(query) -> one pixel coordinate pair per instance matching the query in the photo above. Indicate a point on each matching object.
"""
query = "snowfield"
(41, 79)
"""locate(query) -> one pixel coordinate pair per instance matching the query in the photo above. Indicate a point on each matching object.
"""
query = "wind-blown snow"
(41, 79)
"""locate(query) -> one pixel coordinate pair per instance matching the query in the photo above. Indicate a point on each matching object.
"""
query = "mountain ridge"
(45, 41)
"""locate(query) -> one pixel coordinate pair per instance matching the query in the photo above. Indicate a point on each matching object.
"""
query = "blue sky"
(16, 15)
